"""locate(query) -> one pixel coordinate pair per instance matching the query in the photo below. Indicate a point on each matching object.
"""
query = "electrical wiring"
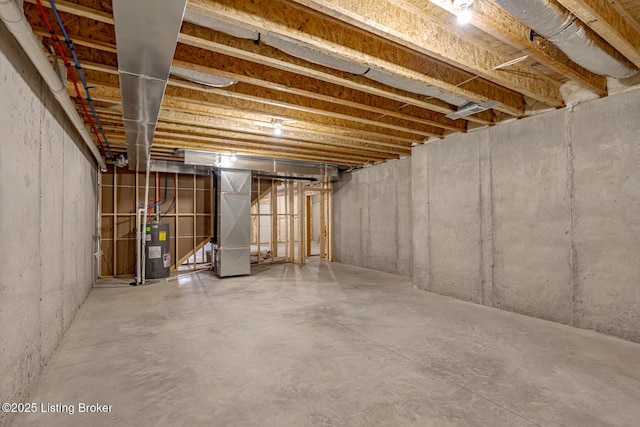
(67, 64)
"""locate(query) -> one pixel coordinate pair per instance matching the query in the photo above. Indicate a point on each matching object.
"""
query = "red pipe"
(58, 46)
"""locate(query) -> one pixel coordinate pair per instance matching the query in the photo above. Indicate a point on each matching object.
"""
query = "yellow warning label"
(162, 236)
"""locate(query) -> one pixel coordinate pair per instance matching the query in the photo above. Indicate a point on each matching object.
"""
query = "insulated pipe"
(569, 34)
(14, 19)
(138, 246)
(144, 220)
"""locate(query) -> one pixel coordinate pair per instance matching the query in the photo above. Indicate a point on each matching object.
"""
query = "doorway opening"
(283, 217)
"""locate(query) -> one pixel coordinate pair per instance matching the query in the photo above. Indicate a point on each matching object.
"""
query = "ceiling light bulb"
(278, 130)
(465, 16)
(233, 158)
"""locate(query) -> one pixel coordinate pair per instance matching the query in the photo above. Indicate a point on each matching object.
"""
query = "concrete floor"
(328, 345)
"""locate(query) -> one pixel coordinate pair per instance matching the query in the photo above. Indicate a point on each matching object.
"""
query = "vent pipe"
(566, 31)
(146, 36)
(14, 19)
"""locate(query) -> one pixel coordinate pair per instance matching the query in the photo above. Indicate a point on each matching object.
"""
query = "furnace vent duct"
(147, 36)
(414, 86)
(311, 54)
(471, 108)
(199, 77)
(563, 29)
(220, 25)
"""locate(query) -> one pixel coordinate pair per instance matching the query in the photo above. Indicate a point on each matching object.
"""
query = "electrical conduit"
(15, 21)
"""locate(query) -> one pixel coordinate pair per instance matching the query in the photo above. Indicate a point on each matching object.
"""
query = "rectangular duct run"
(146, 36)
(234, 226)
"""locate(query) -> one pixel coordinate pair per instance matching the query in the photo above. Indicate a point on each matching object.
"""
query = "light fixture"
(465, 15)
(233, 157)
(277, 126)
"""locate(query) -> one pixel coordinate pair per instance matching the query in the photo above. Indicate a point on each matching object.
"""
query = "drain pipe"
(14, 19)
(138, 279)
(144, 220)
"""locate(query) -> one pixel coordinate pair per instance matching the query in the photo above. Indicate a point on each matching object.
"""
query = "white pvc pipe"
(14, 19)
(144, 220)
(138, 247)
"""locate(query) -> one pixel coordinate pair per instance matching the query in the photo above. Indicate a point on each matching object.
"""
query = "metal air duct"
(220, 25)
(312, 54)
(325, 58)
(146, 36)
(563, 29)
(207, 79)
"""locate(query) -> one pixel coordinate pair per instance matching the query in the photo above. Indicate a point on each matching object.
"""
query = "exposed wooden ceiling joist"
(292, 21)
(423, 35)
(211, 126)
(260, 53)
(490, 18)
(610, 24)
(330, 115)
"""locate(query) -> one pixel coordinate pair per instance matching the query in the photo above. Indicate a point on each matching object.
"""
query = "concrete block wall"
(48, 217)
(538, 216)
(372, 218)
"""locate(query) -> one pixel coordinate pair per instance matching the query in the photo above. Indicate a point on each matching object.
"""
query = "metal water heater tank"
(158, 253)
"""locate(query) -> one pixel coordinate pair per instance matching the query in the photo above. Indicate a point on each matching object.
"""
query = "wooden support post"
(292, 235)
(307, 214)
(274, 219)
(330, 227)
(323, 228)
(301, 225)
(195, 223)
(258, 218)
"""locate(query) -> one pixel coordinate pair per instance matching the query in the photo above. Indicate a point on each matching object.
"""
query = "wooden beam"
(298, 84)
(606, 20)
(181, 124)
(291, 112)
(242, 49)
(78, 40)
(490, 18)
(214, 98)
(78, 10)
(284, 99)
(415, 34)
(191, 119)
(232, 145)
(240, 149)
(104, 70)
(251, 73)
(191, 115)
(262, 54)
(424, 35)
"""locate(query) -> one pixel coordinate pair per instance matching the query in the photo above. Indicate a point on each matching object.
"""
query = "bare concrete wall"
(48, 217)
(605, 138)
(372, 218)
(539, 216)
